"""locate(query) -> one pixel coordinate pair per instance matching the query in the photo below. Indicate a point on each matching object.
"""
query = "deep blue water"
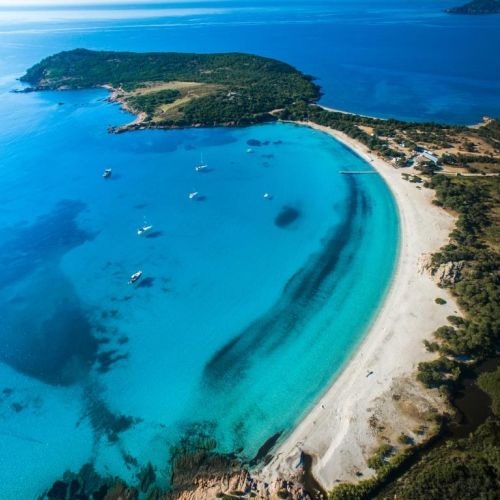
(388, 58)
(237, 290)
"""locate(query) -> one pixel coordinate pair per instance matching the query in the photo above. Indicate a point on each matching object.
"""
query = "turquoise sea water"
(237, 289)
(247, 307)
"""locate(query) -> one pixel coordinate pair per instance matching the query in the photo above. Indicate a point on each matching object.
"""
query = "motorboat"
(135, 277)
(267, 196)
(193, 195)
(107, 173)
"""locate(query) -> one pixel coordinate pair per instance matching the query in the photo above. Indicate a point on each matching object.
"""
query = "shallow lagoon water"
(237, 289)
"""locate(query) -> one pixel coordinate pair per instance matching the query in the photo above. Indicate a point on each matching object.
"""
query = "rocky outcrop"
(446, 274)
(242, 485)
(449, 273)
(197, 472)
(87, 484)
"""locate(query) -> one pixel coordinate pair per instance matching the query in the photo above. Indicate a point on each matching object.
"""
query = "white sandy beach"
(361, 410)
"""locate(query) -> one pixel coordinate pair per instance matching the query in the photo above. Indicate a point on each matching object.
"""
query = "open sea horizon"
(237, 289)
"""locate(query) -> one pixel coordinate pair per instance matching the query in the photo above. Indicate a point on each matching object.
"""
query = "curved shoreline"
(337, 432)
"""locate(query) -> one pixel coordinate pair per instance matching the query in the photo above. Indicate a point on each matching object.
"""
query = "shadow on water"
(145, 282)
(154, 234)
(302, 296)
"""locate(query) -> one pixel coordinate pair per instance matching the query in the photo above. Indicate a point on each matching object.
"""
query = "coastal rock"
(147, 477)
(449, 273)
(242, 485)
(201, 485)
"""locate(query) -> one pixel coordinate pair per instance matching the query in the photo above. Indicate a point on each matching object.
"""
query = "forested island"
(170, 90)
(477, 7)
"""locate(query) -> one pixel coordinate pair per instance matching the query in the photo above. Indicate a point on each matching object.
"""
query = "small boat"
(107, 173)
(193, 195)
(267, 196)
(201, 166)
(249, 150)
(135, 277)
(144, 229)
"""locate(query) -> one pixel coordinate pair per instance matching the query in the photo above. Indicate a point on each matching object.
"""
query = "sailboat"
(144, 228)
(202, 165)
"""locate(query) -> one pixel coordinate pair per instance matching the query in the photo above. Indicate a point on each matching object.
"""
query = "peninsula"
(440, 318)
(170, 90)
(477, 7)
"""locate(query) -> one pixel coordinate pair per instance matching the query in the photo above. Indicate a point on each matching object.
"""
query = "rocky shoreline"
(204, 485)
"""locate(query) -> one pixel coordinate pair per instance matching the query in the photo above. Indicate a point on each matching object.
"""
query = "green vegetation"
(401, 142)
(149, 102)
(465, 468)
(476, 289)
(244, 88)
(489, 382)
(472, 246)
(477, 7)
(380, 457)
(440, 301)
(363, 489)
(404, 439)
(347, 123)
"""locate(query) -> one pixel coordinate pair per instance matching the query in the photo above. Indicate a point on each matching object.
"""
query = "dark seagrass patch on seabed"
(287, 216)
(58, 346)
(302, 296)
(45, 240)
(103, 420)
